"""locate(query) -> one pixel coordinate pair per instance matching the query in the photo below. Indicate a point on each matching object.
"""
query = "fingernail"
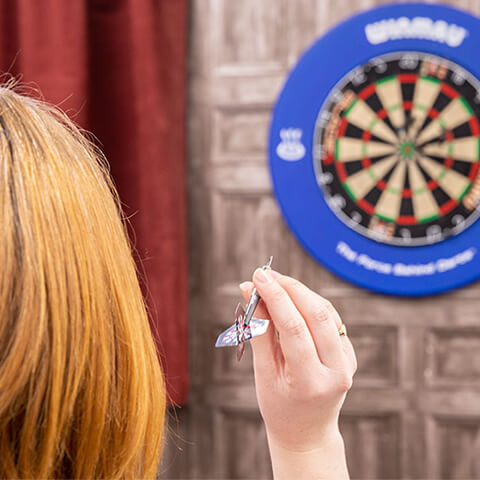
(262, 276)
(244, 285)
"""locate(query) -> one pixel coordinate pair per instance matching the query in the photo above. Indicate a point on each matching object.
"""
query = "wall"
(414, 410)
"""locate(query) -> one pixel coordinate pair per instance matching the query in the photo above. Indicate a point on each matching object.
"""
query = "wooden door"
(414, 409)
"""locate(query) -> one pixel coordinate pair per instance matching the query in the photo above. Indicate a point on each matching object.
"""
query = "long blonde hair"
(81, 390)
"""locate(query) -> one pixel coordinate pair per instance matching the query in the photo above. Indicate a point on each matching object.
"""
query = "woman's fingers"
(322, 320)
(296, 342)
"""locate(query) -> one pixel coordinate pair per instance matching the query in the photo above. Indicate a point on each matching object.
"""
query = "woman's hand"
(301, 375)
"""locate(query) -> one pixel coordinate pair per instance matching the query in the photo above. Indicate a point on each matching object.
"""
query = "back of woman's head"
(81, 391)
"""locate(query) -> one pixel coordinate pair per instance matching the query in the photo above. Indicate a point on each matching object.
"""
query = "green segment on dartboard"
(349, 108)
(466, 105)
(465, 191)
(429, 79)
(386, 79)
(428, 219)
(442, 174)
(349, 191)
(421, 107)
(384, 218)
(407, 149)
(394, 108)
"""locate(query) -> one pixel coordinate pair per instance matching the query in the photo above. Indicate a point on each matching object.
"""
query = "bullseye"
(407, 149)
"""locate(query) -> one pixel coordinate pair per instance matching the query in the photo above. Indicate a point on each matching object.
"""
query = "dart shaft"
(252, 305)
(254, 298)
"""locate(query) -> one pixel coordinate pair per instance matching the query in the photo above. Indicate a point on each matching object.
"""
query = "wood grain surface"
(414, 409)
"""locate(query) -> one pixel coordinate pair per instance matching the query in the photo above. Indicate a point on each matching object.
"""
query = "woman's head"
(81, 391)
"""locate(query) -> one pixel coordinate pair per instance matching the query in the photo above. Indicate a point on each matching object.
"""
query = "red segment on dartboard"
(407, 77)
(328, 159)
(448, 162)
(475, 129)
(382, 113)
(366, 162)
(366, 135)
(382, 184)
(342, 127)
(342, 174)
(473, 172)
(448, 206)
(367, 91)
(406, 193)
(407, 105)
(366, 206)
(432, 184)
(406, 220)
(432, 113)
(449, 91)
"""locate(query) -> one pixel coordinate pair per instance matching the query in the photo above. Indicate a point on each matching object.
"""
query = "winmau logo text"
(417, 27)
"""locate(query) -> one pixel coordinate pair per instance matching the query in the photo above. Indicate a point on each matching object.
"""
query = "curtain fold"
(117, 67)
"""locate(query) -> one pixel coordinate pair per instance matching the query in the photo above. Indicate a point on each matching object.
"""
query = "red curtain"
(117, 67)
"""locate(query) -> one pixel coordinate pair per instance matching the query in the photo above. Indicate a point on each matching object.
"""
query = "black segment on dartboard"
(354, 132)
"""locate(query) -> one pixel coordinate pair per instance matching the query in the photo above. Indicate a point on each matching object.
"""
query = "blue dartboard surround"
(381, 267)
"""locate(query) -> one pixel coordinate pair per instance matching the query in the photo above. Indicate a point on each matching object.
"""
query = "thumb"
(265, 347)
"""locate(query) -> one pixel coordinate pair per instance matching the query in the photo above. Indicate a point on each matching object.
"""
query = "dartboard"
(375, 149)
(397, 148)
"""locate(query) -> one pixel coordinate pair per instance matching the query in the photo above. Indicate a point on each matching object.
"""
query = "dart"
(245, 326)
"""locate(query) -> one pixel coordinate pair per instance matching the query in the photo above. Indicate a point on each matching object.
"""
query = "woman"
(81, 391)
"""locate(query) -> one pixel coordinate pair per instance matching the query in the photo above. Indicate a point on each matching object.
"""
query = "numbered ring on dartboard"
(396, 149)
